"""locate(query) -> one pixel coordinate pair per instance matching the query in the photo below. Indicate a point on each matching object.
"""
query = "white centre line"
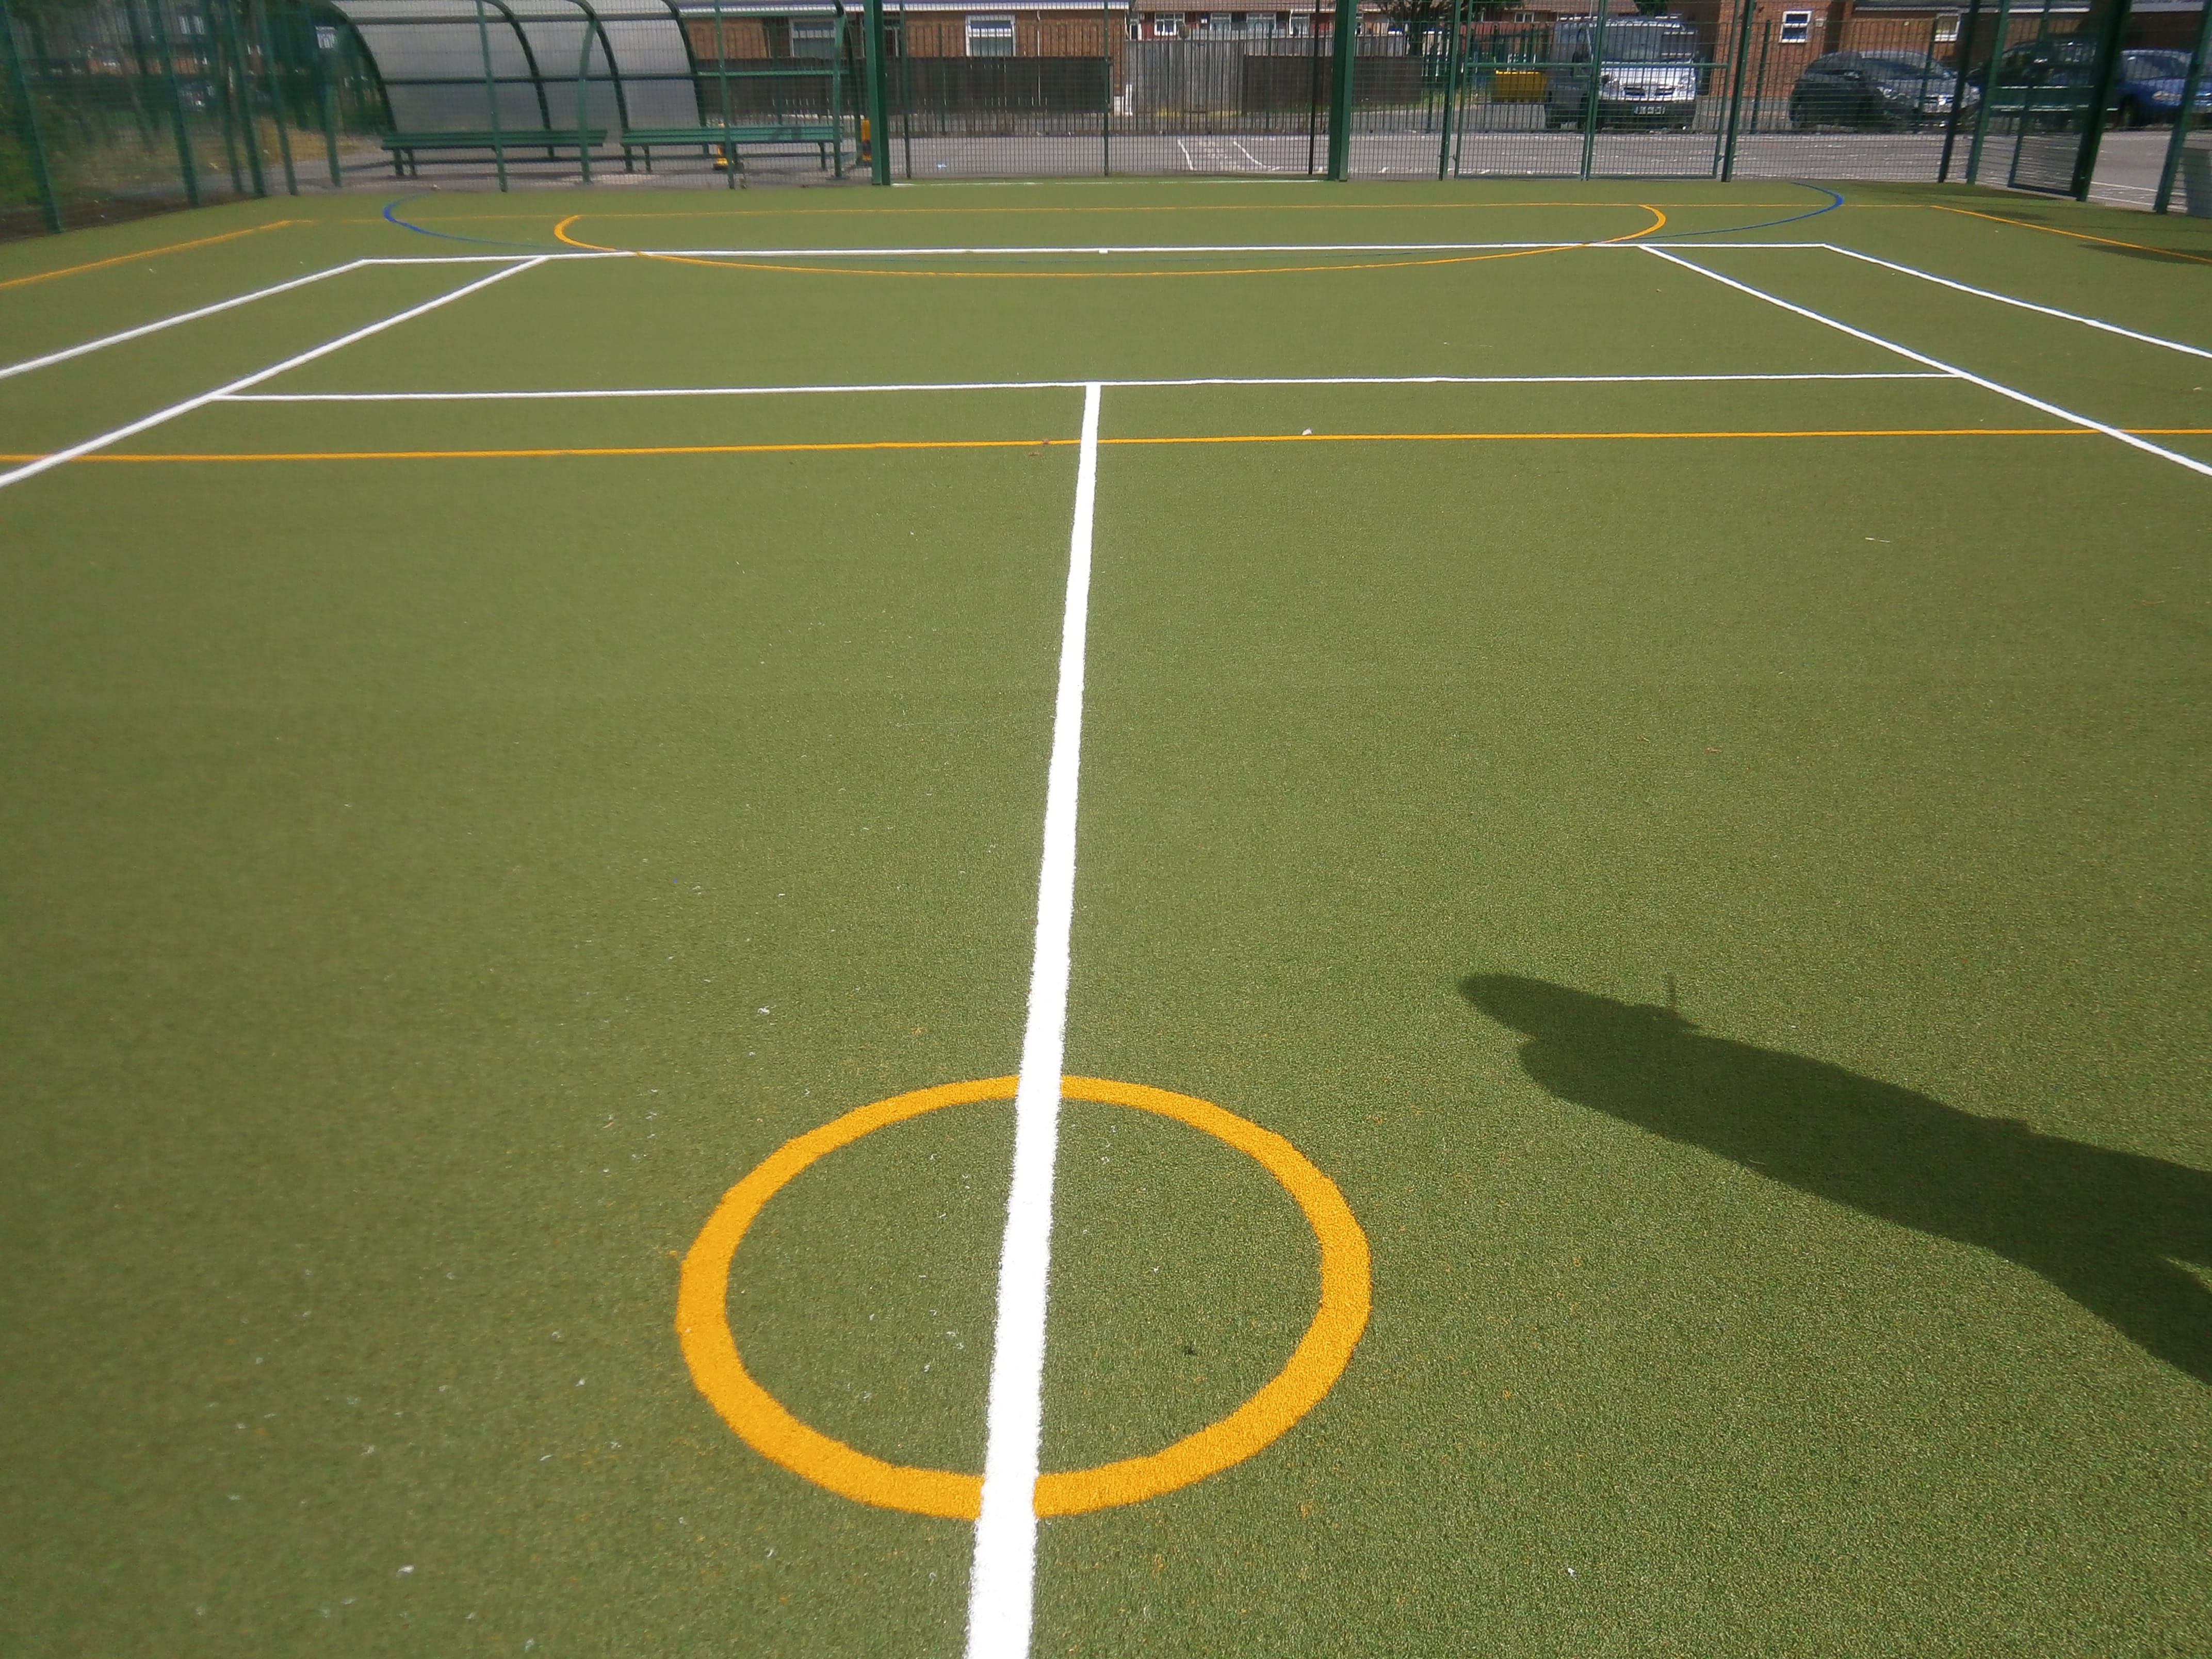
(1002, 1587)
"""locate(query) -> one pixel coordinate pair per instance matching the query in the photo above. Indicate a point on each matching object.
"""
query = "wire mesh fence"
(111, 107)
(112, 110)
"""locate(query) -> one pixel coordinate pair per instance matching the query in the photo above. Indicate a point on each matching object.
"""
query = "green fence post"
(1344, 21)
(1106, 69)
(1313, 87)
(2106, 77)
(491, 96)
(1990, 65)
(140, 74)
(242, 101)
(583, 101)
(1743, 20)
(879, 154)
(1596, 81)
(186, 165)
(1451, 90)
(906, 91)
(326, 95)
(212, 74)
(27, 119)
(2185, 116)
(1969, 33)
(269, 86)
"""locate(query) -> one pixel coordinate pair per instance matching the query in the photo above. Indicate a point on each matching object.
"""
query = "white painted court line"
(145, 329)
(1064, 386)
(1096, 248)
(45, 463)
(480, 258)
(1987, 385)
(2023, 304)
(1002, 1587)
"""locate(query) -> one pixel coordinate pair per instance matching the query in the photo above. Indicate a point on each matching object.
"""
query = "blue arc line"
(1835, 200)
(392, 213)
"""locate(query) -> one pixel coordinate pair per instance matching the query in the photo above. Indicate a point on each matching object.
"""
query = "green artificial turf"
(1728, 913)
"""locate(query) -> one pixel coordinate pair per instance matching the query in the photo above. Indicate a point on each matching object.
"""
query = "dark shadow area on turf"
(2105, 1227)
(2151, 255)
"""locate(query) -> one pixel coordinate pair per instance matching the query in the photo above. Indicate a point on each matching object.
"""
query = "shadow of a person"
(2107, 1228)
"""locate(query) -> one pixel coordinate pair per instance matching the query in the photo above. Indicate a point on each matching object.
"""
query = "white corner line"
(2023, 304)
(1987, 385)
(45, 463)
(1063, 386)
(1001, 1589)
(145, 329)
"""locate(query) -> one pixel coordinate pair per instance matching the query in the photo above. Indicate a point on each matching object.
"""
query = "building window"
(1166, 27)
(1946, 28)
(990, 37)
(813, 37)
(1797, 28)
(1301, 22)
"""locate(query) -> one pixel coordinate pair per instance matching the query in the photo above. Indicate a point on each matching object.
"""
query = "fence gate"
(2056, 89)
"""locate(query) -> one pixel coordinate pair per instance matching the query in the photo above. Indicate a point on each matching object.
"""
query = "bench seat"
(828, 138)
(403, 146)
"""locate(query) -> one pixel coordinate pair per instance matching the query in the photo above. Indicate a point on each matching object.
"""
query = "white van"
(1649, 77)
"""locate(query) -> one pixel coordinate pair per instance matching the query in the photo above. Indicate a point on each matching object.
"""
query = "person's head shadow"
(2107, 1228)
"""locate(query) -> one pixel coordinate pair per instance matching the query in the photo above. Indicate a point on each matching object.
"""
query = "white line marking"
(145, 329)
(1002, 1587)
(1987, 385)
(1094, 249)
(1059, 386)
(480, 258)
(2025, 304)
(46, 462)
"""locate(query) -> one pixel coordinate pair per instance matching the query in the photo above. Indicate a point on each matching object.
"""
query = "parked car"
(2039, 79)
(1649, 77)
(2150, 86)
(1880, 89)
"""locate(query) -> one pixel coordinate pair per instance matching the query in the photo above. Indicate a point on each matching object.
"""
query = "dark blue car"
(2149, 87)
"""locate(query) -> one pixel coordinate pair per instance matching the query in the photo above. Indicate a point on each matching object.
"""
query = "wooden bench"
(828, 138)
(403, 146)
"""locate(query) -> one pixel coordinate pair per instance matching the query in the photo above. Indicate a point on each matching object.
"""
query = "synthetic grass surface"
(1729, 913)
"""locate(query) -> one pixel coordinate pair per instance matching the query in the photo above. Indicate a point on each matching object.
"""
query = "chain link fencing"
(114, 107)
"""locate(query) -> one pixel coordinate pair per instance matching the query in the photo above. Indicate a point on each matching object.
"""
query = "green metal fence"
(114, 107)
(130, 106)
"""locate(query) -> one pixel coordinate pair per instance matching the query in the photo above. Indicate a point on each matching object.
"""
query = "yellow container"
(1516, 86)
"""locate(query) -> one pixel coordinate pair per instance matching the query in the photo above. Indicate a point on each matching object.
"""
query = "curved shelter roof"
(628, 58)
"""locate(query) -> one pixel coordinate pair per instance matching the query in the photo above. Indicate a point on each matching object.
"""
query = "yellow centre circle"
(703, 1320)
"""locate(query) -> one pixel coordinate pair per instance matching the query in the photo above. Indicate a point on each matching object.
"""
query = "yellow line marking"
(710, 1349)
(112, 460)
(172, 247)
(2078, 235)
(561, 233)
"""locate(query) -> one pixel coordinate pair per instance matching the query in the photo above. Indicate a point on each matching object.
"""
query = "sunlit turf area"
(1599, 790)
